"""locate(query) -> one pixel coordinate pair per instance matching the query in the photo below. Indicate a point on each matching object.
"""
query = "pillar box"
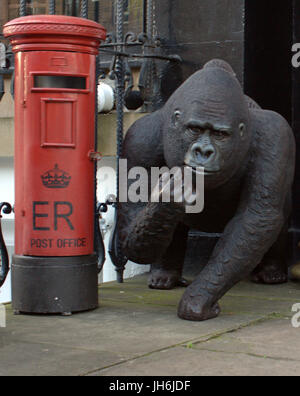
(54, 269)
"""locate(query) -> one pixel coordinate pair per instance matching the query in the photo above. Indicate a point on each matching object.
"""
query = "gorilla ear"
(176, 117)
(242, 128)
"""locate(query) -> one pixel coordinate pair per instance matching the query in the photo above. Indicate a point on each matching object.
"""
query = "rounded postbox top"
(54, 32)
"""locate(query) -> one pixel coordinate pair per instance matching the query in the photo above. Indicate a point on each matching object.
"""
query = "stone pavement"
(136, 332)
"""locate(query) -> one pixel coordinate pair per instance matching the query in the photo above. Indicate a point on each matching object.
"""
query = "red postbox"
(54, 268)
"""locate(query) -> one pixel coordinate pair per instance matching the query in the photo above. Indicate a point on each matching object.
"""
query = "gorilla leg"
(241, 248)
(274, 269)
(166, 273)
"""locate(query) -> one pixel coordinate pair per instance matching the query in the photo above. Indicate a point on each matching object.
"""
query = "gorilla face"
(215, 146)
(211, 130)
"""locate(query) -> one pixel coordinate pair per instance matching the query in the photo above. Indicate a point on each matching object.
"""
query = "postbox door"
(55, 201)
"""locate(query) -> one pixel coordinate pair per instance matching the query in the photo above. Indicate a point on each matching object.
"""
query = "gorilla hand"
(182, 187)
(166, 279)
(197, 307)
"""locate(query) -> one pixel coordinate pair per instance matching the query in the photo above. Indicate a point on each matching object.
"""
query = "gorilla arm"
(149, 234)
(257, 223)
(146, 229)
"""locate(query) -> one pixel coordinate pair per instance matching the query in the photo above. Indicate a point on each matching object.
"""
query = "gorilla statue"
(248, 156)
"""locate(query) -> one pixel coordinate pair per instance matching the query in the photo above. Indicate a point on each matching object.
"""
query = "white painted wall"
(7, 194)
(106, 186)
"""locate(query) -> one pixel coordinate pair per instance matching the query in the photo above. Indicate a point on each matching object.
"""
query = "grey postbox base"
(54, 285)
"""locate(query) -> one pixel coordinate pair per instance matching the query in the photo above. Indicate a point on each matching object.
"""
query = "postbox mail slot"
(67, 82)
(58, 117)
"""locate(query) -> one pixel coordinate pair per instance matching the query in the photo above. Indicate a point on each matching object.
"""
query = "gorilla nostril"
(198, 152)
(208, 153)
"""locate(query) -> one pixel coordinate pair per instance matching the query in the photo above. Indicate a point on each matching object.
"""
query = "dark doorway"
(296, 128)
(271, 28)
(268, 43)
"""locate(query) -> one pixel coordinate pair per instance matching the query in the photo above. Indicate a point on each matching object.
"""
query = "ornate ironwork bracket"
(148, 75)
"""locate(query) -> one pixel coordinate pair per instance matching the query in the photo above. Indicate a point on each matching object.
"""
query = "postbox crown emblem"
(56, 178)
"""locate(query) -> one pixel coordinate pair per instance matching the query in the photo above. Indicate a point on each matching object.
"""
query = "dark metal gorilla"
(249, 157)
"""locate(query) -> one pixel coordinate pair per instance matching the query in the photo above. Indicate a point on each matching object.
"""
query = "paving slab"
(38, 359)
(276, 339)
(125, 330)
(262, 299)
(134, 323)
(181, 361)
(286, 292)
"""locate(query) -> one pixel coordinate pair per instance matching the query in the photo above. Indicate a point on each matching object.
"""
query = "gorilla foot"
(270, 274)
(166, 280)
(193, 308)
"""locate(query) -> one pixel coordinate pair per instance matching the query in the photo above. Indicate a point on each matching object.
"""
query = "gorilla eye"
(220, 134)
(196, 130)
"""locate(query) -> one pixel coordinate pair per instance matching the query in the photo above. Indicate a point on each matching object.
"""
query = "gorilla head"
(210, 126)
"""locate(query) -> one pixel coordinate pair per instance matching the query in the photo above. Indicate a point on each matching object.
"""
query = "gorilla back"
(248, 156)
